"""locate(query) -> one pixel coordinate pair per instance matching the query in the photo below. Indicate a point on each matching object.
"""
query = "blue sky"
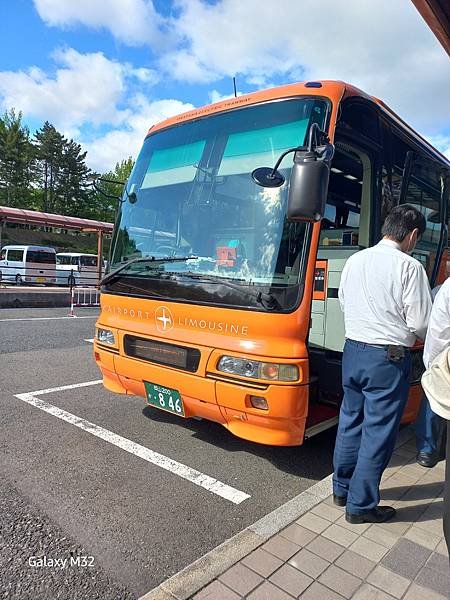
(103, 71)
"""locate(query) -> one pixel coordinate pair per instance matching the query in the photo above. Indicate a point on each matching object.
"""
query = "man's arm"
(438, 334)
(417, 300)
(342, 285)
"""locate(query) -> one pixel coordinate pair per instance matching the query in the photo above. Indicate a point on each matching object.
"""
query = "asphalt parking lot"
(127, 494)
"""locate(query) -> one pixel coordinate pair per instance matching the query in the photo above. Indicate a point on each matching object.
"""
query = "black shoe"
(426, 459)
(339, 500)
(379, 514)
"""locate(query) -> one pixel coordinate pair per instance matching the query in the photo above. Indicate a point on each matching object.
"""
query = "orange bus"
(221, 299)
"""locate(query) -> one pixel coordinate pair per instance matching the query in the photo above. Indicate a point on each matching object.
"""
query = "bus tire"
(19, 279)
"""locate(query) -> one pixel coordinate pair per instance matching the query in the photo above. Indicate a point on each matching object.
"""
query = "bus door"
(345, 229)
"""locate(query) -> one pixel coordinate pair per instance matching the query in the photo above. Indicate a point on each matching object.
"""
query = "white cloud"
(442, 143)
(86, 88)
(383, 47)
(215, 96)
(104, 152)
(134, 22)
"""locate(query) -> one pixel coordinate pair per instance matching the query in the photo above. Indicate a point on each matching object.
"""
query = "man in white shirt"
(430, 427)
(438, 338)
(386, 300)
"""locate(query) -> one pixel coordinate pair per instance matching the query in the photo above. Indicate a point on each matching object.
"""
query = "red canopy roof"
(31, 217)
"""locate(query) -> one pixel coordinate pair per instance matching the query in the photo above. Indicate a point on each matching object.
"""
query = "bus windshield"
(193, 196)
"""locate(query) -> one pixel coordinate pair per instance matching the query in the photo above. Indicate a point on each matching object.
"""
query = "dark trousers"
(429, 429)
(447, 492)
(375, 394)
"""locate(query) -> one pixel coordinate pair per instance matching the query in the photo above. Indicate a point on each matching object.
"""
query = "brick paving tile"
(298, 534)
(309, 563)
(398, 527)
(369, 549)
(216, 591)
(262, 562)
(331, 513)
(422, 537)
(389, 582)
(281, 547)
(381, 536)
(406, 452)
(329, 500)
(417, 592)
(442, 547)
(325, 548)
(433, 526)
(340, 581)
(317, 591)
(313, 522)
(439, 562)
(369, 592)
(355, 564)
(406, 558)
(241, 579)
(291, 580)
(340, 535)
(268, 591)
(439, 581)
(409, 513)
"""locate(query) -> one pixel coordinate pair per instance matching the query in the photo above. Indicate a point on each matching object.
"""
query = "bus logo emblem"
(163, 319)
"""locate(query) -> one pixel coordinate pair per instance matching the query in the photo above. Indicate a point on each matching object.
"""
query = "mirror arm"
(277, 164)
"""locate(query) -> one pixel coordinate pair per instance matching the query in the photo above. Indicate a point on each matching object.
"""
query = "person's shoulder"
(443, 293)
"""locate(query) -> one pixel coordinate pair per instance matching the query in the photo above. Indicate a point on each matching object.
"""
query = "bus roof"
(334, 90)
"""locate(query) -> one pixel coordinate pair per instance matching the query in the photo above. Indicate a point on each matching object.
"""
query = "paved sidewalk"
(319, 556)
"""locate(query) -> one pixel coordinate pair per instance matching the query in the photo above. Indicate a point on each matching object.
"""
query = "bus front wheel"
(18, 279)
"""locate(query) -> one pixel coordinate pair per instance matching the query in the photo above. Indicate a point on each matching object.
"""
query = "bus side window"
(424, 193)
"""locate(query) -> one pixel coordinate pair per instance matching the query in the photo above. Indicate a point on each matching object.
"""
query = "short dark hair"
(401, 221)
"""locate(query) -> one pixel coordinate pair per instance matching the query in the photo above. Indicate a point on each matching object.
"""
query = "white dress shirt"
(385, 296)
(438, 334)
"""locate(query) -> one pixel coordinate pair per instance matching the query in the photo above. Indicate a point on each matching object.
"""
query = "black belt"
(382, 346)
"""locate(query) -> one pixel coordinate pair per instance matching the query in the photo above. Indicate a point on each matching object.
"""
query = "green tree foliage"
(107, 205)
(63, 174)
(49, 173)
(17, 161)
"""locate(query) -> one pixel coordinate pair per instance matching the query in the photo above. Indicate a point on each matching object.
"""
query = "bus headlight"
(254, 369)
(105, 336)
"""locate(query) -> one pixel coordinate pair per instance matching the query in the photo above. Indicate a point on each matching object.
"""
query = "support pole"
(99, 256)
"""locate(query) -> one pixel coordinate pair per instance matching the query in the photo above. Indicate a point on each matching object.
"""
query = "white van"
(28, 264)
(76, 268)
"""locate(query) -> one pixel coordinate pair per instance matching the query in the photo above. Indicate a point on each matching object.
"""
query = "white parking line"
(49, 318)
(90, 341)
(205, 481)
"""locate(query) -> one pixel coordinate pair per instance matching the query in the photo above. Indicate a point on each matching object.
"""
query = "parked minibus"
(221, 300)
(76, 268)
(28, 264)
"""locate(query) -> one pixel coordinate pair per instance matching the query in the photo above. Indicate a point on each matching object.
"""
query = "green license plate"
(164, 398)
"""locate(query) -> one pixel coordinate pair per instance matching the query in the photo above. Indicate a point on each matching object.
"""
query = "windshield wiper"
(141, 259)
(267, 301)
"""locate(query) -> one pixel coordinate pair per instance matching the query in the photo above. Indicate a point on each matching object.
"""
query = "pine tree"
(16, 161)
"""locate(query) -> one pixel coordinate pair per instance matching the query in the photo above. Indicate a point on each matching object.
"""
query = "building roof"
(31, 217)
(436, 13)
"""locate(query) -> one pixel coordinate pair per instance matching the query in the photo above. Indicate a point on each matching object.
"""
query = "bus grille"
(161, 353)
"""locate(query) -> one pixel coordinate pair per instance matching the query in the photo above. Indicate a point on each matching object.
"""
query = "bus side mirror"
(309, 183)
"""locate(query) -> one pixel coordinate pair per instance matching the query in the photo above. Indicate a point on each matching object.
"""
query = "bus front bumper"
(224, 402)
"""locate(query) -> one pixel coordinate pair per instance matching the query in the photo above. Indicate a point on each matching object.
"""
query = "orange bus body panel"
(217, 331)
